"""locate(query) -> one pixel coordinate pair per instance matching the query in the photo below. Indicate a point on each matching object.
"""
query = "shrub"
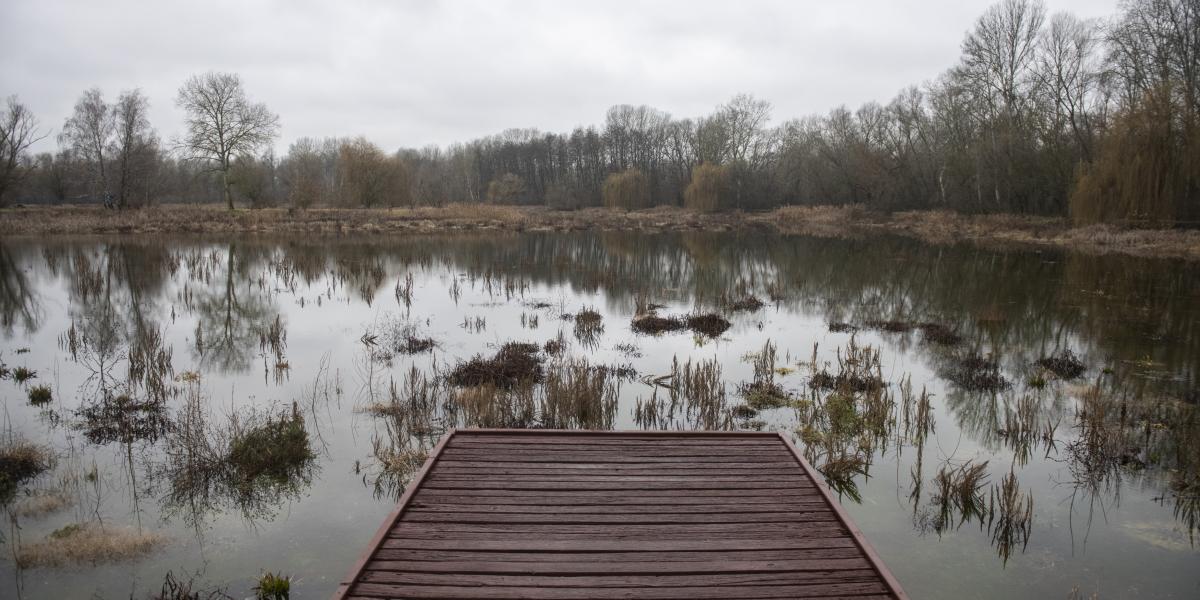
(506, 189)
(709, 189)
(629, 189)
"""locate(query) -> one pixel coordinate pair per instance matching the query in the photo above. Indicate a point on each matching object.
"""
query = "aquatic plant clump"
(1065, 365)
(975, 373)
(841, 327)
(849, 380)
(20, 463)
(275, 449)
(23, 374)
(654, 324)
(711, 325)
(40, 395)
(763, 395)
(746, 303)
(273, 587)
(589, 325)
(513, 364)
(88, 543)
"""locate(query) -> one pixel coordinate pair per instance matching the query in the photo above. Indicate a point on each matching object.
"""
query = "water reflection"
(920, 381)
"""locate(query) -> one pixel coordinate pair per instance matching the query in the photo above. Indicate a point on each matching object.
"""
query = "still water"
(1003, 481)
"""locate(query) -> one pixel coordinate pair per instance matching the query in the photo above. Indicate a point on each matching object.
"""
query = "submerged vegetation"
(88, 543)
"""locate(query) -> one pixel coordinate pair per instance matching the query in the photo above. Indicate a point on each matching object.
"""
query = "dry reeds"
(1063, 364)
(513, 364)
(21, 462)
(88, 543)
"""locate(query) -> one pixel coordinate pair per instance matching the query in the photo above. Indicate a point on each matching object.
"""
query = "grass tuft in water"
(975, 373)
(88, 543)
(1064, 365)
(271, 586)
(20, 463)
(513, 364)
(40, 395)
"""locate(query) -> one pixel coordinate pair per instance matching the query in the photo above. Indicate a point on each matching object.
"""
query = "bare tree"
(222, 123)
(135, 147)
(18, 131)
(1068, 74)
(89, 134)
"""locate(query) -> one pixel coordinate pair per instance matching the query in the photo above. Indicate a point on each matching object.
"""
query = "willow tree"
(222, 123)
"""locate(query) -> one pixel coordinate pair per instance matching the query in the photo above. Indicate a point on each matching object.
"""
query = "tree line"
(1045, 114)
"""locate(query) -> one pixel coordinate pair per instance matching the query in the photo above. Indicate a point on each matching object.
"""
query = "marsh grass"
(272, 586)
(1010, 516)
(252, 462)
(23, 374)
(763, 393)
(589, 327)
(975, 373)
(515, 363)
(271, 448)
(1065, 365)
(404, 291)
(88, 544)
(40, 395)
(958, 495)
(711, 325)
(21, 462)
(744, 303)
(695, 398)
(272, 339)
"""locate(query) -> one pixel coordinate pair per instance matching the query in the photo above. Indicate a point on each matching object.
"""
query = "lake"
(915, 377)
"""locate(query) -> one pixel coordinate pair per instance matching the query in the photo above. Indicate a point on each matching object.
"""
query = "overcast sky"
(409, 74)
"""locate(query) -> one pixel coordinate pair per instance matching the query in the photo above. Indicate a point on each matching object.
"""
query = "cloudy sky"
(409, 74)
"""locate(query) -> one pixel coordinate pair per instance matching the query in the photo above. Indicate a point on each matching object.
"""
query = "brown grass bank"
(828, 221)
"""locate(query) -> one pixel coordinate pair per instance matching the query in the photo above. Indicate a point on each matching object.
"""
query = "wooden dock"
(579, 514)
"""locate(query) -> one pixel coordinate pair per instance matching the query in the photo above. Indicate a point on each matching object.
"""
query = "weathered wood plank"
(540, 546)
(572, 515)
(743, 592)
(427, 554)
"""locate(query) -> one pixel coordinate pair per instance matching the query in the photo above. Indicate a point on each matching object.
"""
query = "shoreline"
(934, 227)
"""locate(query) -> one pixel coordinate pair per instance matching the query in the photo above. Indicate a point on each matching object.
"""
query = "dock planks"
(579, 514)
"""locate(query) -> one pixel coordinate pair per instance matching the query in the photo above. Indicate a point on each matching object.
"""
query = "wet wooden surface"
(564, 515)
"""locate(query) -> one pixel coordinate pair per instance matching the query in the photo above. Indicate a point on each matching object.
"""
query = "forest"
(1044, 114)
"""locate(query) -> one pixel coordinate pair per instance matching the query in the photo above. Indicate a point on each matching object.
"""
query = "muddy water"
(1088, 484)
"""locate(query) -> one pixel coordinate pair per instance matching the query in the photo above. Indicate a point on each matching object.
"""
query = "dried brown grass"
(934, 226)
(88, 543)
